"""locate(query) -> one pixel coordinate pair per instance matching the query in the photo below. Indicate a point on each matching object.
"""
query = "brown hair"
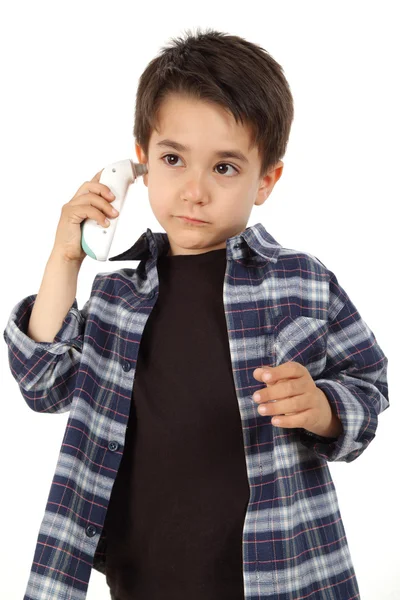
(227, 70)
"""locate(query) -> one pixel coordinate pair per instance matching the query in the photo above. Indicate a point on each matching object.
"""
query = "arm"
(46, 370)
(354, 380)
(55, 297)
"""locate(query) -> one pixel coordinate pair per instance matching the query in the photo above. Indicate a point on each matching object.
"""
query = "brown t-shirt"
(175, 518)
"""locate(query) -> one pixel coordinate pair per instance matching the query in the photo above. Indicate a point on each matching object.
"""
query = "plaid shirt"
(280, 305)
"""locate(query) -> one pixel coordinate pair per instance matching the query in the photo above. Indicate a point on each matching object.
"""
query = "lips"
(192, 219)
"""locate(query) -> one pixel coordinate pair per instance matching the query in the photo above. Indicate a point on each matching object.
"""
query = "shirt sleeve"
(45, 371)
(354, 380)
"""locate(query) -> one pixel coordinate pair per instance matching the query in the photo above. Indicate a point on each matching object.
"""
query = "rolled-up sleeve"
(45, 371)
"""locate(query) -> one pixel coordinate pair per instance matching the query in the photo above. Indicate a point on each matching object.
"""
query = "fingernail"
(267, 376)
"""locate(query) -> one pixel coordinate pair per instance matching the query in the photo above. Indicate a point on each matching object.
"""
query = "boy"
(173, 479)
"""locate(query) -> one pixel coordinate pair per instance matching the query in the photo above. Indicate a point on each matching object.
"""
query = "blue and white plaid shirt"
(281, 305)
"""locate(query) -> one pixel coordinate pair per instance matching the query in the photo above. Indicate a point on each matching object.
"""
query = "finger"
(288, 406)
(267, 394)
(291, 421)
(282, 390)
(288, 370)
(97, 176)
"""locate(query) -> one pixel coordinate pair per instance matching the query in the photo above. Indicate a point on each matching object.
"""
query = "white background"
(69, 79)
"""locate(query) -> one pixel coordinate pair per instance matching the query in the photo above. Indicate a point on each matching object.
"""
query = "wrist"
(332, 427)
(335, 428)
(57, 257)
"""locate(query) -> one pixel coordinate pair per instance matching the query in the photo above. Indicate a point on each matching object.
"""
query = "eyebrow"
(220, 153)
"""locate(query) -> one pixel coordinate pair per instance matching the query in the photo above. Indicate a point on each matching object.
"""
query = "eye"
(219, 165)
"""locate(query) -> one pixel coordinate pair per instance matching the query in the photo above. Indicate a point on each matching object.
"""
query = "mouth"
(194, 221)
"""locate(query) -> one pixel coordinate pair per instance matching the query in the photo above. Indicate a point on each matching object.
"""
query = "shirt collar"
(263, 247)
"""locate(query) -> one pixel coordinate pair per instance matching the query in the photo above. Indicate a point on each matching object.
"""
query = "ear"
(268, 182)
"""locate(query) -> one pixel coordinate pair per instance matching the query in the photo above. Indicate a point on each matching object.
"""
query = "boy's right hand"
(91, 201)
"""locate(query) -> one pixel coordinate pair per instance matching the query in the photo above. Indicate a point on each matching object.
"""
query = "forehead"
(195, 122)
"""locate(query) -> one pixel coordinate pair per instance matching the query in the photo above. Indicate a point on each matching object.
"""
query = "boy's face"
(196, 182)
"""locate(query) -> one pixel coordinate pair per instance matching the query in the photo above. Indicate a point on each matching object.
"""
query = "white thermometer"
(95, 239)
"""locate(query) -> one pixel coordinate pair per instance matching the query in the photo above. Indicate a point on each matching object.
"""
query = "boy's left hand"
(292, 392)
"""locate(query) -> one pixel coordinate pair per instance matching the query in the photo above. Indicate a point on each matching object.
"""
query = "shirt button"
(91, 531)
(113, 446)
(126, 366)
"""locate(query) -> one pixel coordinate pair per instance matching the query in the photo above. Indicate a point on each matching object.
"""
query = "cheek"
(159, 204)
(235, 211)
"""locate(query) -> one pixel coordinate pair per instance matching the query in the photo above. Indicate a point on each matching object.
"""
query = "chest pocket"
(301, 339)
